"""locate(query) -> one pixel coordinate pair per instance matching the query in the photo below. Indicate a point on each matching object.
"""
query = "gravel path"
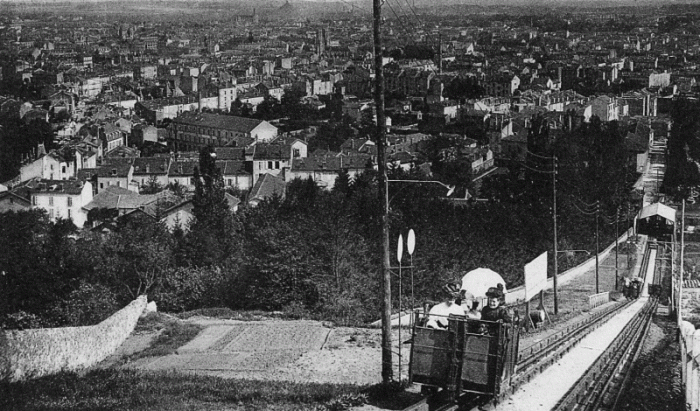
(303, 351)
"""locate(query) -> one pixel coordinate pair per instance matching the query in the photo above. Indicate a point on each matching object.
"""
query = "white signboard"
(535, 276)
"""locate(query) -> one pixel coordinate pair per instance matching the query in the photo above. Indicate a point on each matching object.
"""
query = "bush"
(346, 311)
(21, 321)
(296, 310)
(186, 289)
(89, 304)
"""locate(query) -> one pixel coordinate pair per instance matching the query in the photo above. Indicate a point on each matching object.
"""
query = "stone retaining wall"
(37, 352)
(518, 293)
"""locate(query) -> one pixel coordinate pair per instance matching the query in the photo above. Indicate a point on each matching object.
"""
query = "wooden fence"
(690, 367)
(597, 300)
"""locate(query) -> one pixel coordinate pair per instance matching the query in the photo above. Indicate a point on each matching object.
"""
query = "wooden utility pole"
(617, 243)
(597, 212)
(385, 270)
(554, 217)
(680, 267)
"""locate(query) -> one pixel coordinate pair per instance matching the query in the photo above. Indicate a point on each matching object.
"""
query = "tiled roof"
(72, 187)
(229, 153)
(115, 167)
(183, 168)
(231, 167)
(17, 195)
(272, 152)
(233, 123)
(333, 164)
(123, 152)
(267, 186)
(232, 201)
(114, 198)
(151, 165)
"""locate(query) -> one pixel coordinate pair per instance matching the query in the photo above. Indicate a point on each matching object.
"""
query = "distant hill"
(303, 9)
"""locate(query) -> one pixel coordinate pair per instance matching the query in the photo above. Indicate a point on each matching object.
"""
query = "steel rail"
(614, 388)
(588, 392)
(622, 385)
(598, 382)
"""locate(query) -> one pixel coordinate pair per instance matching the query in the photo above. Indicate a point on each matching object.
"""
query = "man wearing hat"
(438, 315)
(494, 311)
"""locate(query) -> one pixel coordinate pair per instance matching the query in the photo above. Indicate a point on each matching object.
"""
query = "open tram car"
(470, 356)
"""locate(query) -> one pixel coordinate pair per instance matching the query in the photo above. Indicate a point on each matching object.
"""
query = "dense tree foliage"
(19, 140)
(212, 239)
(318, 251)
(683, 150)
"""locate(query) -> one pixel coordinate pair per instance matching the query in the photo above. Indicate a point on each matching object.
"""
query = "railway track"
(534, 359)
(531, 361)
(599, 388)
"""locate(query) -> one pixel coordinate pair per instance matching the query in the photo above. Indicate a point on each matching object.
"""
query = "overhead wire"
(413, 27)
(535, 170)
(408, 32)
(539, 155)
(414, 13)
(584, 212)
(589, 207)
(353, 6)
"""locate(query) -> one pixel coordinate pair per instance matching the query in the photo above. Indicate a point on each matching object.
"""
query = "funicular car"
(470, 356)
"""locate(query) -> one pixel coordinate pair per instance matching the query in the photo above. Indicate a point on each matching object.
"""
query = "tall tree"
(212, 237)
(683, 150)
(136, 257)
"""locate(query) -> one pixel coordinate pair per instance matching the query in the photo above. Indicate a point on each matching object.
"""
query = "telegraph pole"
(680, 285)
(554, 217)
(597, 212)
(385, 271)
(617, 242)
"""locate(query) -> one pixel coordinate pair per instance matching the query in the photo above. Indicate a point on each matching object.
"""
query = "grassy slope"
(133, 390)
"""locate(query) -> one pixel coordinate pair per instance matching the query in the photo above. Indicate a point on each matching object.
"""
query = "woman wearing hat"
(494, 311)
(438, 315)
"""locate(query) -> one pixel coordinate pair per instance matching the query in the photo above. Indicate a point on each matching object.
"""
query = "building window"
(102, 185)
(119, 183)
(269, 165)
(277, 165)
(34, 200)
(70, 216)
(297, 154)
(51, 213)
(50, 200)
(70, 201)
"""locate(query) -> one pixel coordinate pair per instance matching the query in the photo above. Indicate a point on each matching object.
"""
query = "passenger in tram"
(626, 288)
(635, 286)
(470, 305)
(494, 311)
(452, 305)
